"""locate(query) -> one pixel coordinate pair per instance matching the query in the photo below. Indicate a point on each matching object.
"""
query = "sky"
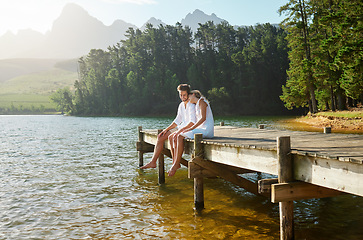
(39, 14)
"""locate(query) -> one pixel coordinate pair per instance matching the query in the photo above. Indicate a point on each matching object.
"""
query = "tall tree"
(297, 24)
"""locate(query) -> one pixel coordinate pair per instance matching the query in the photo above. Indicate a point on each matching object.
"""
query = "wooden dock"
(307, 164)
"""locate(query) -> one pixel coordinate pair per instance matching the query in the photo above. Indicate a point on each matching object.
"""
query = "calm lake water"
(78, 178)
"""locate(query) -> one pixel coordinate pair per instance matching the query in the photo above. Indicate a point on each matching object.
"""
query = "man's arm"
(179, 118)
(191, 118)
(171, 126)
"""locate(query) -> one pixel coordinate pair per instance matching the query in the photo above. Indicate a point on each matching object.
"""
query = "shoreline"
(316, 123)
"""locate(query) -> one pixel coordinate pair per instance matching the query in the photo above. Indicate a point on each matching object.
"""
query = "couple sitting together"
(194, 116)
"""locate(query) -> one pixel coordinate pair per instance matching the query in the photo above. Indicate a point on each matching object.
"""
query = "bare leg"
(178, 156)
(157, 150)
(175, 144)
(172, 145)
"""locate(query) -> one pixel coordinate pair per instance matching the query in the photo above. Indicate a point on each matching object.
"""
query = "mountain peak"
(153, 21)
(198, 11)
(75, 32)
(73, 8)
(193, 19)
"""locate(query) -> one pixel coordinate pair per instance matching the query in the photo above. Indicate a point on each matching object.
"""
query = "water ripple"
(77, 178)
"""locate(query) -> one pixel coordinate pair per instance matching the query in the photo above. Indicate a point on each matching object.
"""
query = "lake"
(78, 178)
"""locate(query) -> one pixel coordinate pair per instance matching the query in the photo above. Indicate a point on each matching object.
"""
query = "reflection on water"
(77, 178)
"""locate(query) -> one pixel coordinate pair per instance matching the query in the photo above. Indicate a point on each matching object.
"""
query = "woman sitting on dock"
(204, 125)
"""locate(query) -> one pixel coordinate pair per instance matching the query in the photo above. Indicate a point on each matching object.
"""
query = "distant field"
(31, 90)
(26, 101)
(42, 83)
(10, 68)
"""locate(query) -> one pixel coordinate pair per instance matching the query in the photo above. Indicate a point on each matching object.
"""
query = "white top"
(185, 115)
(207, 127)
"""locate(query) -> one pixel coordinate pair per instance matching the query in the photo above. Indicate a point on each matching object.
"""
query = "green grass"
(30, 92)
(345, 114)
(25, 101)
(41, 83)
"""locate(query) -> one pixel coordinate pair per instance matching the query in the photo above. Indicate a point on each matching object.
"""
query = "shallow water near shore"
(78, 178)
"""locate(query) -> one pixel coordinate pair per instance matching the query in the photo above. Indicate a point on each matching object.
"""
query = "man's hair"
(184, 87)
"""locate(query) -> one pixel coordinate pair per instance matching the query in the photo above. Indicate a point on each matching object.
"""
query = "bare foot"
(149, 165)
(173, 169)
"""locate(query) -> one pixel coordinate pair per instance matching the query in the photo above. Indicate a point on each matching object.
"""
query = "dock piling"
(198, 181)
(161, 165)
(327, 129)
(285, 175)
(141, 153)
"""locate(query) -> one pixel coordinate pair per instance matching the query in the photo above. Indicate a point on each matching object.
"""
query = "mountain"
(153, 21)
(192, 19)
(72, 35)
(20, 44)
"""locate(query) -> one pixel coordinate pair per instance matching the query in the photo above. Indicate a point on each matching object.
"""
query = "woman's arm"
(184, 129)
(203, 109)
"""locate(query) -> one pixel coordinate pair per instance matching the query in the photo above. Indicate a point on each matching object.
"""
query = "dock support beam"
(161, 165)
(198, 181)
(141, 153)
(285, 175)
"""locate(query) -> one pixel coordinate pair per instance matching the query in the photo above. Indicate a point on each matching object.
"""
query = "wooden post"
(198, 181)
(327, 129)
(161, 165)
(141, 153)
(221, 123)
(285, 175)
(261, 126)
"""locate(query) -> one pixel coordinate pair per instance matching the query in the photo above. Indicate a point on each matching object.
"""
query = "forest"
(312, 62)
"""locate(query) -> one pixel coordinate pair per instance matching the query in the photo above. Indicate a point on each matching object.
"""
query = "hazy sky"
(40, 14)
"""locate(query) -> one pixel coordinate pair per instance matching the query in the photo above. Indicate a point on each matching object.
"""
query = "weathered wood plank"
(294, 191)
(264, 185)
(227, 175)
(343, 176)
(285, 174)
(198, 181)
(141, 140)
(161, 165)
(196, 171)
(144, 147)
(252, 159)
(255, 150)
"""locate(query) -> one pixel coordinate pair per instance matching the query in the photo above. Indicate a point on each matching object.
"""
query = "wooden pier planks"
(328, 160)
(308, 165)
(344, 147)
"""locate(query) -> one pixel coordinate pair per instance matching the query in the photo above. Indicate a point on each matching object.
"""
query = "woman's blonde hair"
(196, 93)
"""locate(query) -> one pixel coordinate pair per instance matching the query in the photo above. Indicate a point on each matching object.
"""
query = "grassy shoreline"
(349, 121)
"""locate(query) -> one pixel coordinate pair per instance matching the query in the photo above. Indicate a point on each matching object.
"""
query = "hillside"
(10, 68)
(28, 83)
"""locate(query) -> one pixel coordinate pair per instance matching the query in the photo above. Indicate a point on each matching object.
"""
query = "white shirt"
(185, 115)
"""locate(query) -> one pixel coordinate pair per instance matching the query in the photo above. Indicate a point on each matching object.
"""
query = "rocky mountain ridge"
(74, 33)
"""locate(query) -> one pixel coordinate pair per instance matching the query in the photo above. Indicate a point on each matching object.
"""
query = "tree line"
(314, 60)
(240, 71)
(326, 54)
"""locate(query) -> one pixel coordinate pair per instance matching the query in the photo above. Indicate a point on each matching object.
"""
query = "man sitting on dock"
(185, 118)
